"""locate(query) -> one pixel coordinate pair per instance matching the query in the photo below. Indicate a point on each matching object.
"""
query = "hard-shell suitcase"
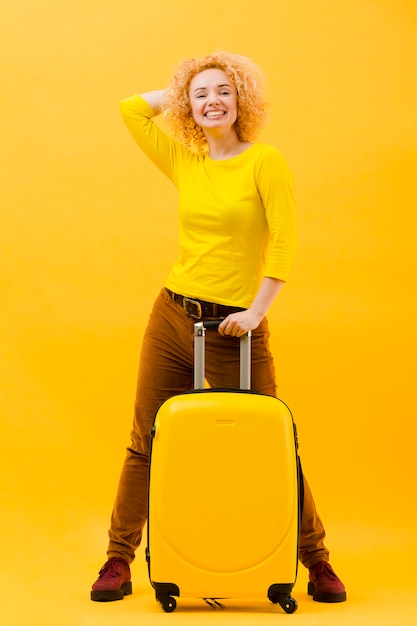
(224, 493)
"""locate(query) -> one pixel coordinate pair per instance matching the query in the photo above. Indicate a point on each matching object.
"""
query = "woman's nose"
(213, 98)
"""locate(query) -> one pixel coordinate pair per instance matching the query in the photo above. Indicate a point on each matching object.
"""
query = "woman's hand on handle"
(238, 324)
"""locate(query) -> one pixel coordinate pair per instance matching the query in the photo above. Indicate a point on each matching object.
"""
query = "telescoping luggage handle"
(199, 354)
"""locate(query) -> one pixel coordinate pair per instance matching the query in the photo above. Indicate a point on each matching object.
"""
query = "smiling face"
(213, 100)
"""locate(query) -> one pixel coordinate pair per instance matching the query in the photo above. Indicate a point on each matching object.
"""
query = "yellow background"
(88, 233)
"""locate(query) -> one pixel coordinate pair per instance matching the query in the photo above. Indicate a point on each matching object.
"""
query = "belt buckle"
(192, 308)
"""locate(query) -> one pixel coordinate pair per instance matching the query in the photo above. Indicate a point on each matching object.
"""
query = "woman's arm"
(154, 99)
(237, 324)
(138, 112)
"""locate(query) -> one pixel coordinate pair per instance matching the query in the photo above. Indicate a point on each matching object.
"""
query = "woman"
(237, 243)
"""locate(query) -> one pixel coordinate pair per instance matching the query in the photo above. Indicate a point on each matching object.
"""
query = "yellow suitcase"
(224, 494)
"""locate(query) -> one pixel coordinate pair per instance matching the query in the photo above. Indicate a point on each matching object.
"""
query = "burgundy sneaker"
(324, 585)
(113, 582)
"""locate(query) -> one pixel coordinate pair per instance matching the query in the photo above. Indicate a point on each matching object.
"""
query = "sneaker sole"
(325, 597)
(111, 596)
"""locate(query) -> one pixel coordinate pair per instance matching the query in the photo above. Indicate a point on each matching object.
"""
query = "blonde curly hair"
(251, 106)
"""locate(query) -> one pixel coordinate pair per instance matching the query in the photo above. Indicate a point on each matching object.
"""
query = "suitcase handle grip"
(211, 323)
(199, 354)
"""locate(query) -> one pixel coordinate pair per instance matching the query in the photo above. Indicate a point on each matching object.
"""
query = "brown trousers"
(166, 368)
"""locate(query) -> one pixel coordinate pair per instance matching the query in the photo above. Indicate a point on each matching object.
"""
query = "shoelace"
(109, 565)
(322, 568)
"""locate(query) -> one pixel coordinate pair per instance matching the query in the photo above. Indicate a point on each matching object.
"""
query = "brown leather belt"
(198, 309)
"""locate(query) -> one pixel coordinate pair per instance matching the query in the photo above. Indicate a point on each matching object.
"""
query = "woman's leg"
(165, 369)
(222, 365)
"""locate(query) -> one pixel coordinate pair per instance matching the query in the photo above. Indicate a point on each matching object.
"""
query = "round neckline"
(236, 156)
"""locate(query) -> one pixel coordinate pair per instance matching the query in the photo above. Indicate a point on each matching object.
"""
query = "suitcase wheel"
(286, 602)
(168, 603)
